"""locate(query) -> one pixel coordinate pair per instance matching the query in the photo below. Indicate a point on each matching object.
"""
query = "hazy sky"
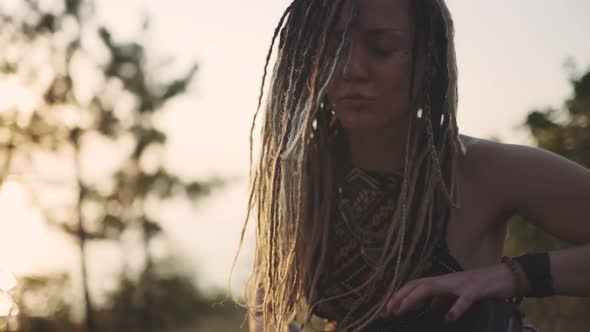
(510, 58)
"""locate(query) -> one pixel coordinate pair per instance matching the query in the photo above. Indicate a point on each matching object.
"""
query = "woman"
(372, 211)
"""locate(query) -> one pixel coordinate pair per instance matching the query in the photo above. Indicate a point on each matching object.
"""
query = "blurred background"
(124, 142)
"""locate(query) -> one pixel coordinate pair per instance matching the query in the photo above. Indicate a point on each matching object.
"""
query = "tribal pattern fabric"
(365, 204)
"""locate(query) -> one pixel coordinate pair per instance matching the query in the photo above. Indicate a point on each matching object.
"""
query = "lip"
(354, 101)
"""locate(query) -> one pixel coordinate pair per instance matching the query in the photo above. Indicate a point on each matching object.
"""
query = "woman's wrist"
(536, 268)
(498, 282)
(519, 279)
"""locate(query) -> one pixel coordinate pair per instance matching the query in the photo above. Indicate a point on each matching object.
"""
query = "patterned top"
(365, 204)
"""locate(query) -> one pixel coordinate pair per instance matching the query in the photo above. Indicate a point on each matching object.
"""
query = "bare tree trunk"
(90, 323)
(146, 318)
(88, 309)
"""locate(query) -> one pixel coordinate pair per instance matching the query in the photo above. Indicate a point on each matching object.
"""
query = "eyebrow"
(383, 30)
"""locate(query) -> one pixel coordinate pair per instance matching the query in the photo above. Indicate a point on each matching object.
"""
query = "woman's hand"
(466, 288)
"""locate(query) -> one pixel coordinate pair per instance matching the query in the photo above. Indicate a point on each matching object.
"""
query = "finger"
(461, 305)
(418, 295)
(400, 294)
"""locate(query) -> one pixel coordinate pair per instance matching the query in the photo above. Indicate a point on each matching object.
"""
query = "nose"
(354, 67)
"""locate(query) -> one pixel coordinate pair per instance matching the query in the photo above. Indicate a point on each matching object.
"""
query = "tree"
(42, 303)
(88, 87)
(566, 131)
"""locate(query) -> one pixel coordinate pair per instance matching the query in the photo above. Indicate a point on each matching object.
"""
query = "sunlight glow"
(7, 306)
(16, 96)
(25, 242)
(7, 281)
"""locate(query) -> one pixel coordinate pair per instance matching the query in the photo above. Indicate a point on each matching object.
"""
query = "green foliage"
(525, 237)
(179, 304)
(45, 304)
(566, 131)
(42, 302)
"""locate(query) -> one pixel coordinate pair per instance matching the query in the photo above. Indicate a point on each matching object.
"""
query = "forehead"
(389, 14)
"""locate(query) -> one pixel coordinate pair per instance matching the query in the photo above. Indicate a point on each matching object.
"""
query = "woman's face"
(371, 86)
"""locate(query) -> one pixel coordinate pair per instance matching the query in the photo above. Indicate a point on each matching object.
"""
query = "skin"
(497, 180)
(378, 67)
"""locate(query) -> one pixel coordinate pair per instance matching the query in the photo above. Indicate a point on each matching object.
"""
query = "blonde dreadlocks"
(293, 182)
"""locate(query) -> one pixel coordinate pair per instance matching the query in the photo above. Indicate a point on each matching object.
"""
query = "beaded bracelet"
(517, 277)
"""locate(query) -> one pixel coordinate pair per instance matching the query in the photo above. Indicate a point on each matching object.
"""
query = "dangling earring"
(421, 103)
(333, 118)
(325, 103)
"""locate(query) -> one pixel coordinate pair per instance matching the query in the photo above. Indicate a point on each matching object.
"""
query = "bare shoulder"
(479, 176)
(481, 158)
(477, 151)
(500, 162)
(538, 184)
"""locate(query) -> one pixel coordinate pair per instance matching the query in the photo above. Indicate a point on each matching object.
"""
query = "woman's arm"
(548, 190)
(570, 269)
(553, 193)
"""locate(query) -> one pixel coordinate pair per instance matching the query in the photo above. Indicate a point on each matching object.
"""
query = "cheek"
(333, 88)
(394, 86)
(330, 92)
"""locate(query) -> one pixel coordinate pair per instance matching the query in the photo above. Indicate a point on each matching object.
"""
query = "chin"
(359, 124)
(361, 119)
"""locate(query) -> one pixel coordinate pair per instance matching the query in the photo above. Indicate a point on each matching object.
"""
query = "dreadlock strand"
(429, 207)
(252, 196)
(299, 130)
(294, 182)
(315, 99)
(261, 94)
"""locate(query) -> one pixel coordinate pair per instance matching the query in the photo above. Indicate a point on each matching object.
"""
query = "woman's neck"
(380, 149)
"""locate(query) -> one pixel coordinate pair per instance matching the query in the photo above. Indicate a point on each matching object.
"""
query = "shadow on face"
(371, 86)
